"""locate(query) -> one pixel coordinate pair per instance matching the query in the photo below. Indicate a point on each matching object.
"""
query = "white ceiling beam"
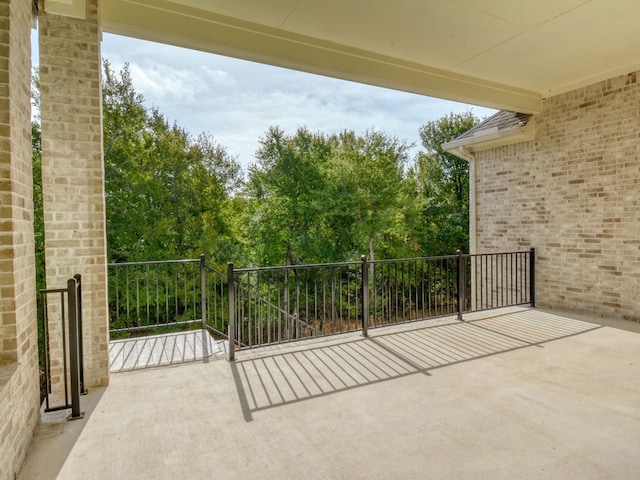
(67, 8)
(160, 21)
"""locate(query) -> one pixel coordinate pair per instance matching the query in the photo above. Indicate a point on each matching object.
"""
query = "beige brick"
(573, 194)
(18, 353)
(73, 176)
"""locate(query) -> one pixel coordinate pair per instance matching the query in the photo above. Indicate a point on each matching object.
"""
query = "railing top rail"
(415, 259)
(445, 257)
(494, 253)
(53, 290)
(296, 267)
(309, 265)
(388, 260)
(153, 262)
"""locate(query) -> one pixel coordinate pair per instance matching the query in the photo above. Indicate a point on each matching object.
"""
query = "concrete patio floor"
(162, 350)
(508, 394)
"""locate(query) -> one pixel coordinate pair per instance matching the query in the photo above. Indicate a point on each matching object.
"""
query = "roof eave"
(486, 140)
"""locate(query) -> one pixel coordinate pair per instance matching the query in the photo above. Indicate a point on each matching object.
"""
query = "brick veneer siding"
(573, 193)
(19, 381)
(73, 172)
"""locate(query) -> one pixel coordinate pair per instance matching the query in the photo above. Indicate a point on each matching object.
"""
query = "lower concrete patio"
(512, 393)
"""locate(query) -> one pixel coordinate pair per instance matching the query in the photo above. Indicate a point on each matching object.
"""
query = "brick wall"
(19, 384)
(573, 193)
(72, 171)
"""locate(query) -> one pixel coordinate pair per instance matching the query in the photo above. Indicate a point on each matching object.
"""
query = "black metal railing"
(413, 289)
(149, 295)
(252, 307)
(216, 296)
(62, 346)
(280, 304)
(499, 280)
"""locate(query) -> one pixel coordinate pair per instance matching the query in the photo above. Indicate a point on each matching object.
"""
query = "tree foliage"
(38, 215)
(308, 198)
(167, 193)
(319, 198)
(365, 202)
(441, 182)
(284, 188)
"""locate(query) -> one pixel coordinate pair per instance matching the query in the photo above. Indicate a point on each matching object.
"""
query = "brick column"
(73, 172)
(19, 383)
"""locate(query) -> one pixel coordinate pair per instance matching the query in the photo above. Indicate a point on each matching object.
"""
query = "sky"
(236, 101)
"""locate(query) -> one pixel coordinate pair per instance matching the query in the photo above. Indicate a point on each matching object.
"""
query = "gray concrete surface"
(511, 394)
(161, 350)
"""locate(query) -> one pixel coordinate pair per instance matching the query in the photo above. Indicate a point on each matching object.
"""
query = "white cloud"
(166, 84)
(236, 101)
(218, 78)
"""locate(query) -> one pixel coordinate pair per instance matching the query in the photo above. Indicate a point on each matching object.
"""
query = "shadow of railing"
(274, 380)
(162, 350)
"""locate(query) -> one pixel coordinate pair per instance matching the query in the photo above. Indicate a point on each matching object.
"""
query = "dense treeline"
(308, 197)
(167, 193)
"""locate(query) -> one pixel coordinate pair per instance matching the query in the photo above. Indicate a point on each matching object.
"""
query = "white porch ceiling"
(506, 54)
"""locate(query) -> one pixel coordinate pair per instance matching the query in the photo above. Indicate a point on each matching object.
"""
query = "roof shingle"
(502, 120)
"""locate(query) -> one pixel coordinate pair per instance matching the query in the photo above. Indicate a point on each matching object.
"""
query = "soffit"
(500, 53)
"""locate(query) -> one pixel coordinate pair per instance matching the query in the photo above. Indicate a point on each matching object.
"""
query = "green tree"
(36, 159)
(441, 184)
(124, 122)
(218, 177)
(167, 193)
(364, 200)
(284, 185)
(317, 198)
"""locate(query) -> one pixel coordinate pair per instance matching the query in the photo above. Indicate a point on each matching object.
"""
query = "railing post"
(532, 276)
(203, 291)
(460, 269)
(365, 296)
(74, 349)
(78, 278)
(232, 321)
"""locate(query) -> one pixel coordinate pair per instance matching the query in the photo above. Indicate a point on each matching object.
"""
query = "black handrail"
(259, 306)
(70, 329)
